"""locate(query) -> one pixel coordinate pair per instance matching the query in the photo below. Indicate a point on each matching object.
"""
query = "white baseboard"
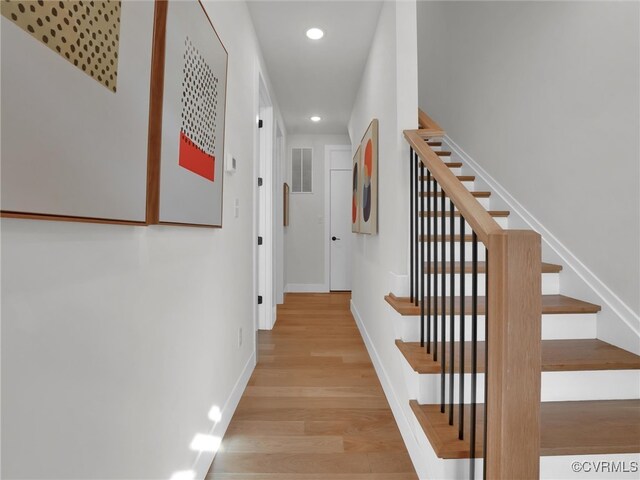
(306, 288)
(204, 460)
(415, 452)
(608, 299)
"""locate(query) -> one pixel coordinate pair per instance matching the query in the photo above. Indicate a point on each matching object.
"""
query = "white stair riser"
(468, 250)
(466, 184)
(607, 466)
(503, 222)
(550, 283)
(590, 385)
(554, 327)
(556, 386)
(484, 201)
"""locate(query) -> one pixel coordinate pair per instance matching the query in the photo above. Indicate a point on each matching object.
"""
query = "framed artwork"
(368, 209)
(187, 122)
(285, 202)
(75, 109)
(356, 192)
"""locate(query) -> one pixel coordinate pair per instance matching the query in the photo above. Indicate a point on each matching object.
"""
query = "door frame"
(328, 149)
(263, 207)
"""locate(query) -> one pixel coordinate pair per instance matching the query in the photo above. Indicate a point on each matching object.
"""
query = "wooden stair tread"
(439, 194)
(566, 428)
(557, 356)
(493, 213)
(462, 178)
(443, 153)
(468, 267)
(434, 144)
(551, 304)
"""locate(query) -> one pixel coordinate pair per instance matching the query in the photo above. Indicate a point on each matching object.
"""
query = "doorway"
(264, 243)
(338, 214)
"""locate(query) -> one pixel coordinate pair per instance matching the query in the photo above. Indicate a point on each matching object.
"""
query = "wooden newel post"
(514, 355)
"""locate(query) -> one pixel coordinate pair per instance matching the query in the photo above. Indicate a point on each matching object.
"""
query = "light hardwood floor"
(314, 408)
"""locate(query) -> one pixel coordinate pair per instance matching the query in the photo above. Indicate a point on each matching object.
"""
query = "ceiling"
(315, 77)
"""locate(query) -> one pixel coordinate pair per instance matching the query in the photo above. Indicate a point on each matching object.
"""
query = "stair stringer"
(617, 323)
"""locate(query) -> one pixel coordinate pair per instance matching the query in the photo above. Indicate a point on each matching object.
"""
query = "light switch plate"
(229, 163)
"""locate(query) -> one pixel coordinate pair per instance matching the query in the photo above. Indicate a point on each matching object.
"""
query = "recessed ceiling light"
(315, 33)
(315, 118)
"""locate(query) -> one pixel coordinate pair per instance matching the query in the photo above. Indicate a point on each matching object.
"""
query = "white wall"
(389, 92)
(545, 97)
(304, 237)
(280, 176)
(117, 340)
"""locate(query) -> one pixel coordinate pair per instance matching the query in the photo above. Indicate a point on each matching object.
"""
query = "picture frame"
(75, 148)
(187, 117)
(368, 209)
(356, 192)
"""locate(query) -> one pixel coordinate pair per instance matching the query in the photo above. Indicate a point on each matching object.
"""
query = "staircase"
(587, 409)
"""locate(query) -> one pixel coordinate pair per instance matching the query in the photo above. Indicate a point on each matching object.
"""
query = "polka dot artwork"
(85, 33)
(199, 100)
(199, 114)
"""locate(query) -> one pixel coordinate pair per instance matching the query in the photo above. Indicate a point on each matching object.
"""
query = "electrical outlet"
(239, 337)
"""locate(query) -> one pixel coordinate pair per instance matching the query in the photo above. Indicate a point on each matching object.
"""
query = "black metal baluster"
(486, 358)
(474, 354)
(417, 239)
(452, 293)
(422, 259)
(411, 218)
(462, 332)
(434, 271)
(429, 264)
(443, 337)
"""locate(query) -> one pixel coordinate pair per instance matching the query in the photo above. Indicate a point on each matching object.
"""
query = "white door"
(341, 236)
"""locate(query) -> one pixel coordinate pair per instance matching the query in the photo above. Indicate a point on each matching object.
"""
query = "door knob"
(334, 238)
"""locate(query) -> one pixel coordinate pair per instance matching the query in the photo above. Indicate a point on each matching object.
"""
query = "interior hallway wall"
(304, 237)
(545, 97)
(117, 340)
(389, 92)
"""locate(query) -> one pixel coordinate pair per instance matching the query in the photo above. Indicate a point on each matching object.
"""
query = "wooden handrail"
(428, 126)
(475, 214)
(513, 328)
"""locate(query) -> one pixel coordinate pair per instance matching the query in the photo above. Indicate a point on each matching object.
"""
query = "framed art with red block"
(187, 121)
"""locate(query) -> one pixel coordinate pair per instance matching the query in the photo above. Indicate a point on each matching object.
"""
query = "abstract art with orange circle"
(365, 183)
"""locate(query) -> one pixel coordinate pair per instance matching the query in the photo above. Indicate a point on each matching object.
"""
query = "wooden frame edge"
(68, 218)
(156, 97)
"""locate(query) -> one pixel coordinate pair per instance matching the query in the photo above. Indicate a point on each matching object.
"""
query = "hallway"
(314, 407)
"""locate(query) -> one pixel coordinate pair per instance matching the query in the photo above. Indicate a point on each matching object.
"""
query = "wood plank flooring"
(314, 408)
